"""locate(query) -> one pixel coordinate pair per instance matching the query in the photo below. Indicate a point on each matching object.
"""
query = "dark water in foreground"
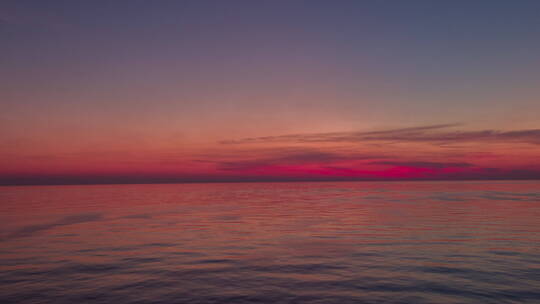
(412, 242)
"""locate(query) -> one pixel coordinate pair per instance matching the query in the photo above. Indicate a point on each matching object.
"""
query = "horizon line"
(96, 183)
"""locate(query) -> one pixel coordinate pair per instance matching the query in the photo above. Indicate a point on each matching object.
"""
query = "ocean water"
(343, 242)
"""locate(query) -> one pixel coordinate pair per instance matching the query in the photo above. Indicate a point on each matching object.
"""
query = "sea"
(295, 242)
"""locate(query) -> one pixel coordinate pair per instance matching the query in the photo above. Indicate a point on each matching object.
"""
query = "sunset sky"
(181, 91)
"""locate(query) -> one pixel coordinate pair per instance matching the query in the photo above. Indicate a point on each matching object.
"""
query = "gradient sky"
(158, 91)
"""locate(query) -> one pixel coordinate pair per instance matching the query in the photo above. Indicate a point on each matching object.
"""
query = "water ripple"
(445, 242)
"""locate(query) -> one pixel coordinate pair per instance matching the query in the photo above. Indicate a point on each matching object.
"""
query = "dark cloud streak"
(435, 134)
(311, 157)
(423, 164)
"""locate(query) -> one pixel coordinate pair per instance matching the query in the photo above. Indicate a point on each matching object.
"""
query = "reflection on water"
(411, 242)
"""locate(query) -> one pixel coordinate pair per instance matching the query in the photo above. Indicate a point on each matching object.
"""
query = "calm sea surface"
(410, 242)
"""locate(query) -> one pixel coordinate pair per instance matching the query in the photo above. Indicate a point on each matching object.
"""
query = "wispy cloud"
(295, 158)
(423, 164)
(436, 134)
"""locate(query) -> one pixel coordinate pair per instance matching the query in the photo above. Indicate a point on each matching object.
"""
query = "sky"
(195, 91)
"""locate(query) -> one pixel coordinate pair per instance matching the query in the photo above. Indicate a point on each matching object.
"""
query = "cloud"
(435, 134)
(295, 158)
(421, 164)
(336, 136)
